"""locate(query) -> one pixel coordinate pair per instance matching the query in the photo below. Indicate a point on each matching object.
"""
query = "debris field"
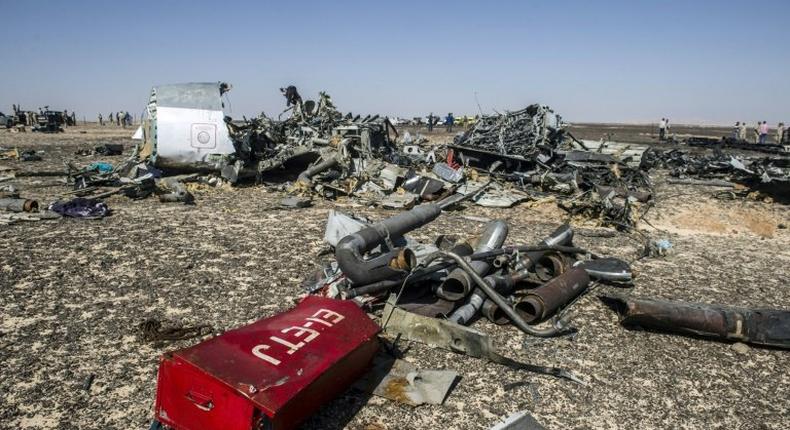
(83, 302)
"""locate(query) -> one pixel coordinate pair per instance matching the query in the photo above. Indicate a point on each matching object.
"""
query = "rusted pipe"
(350, 251)
(458, 283)
(543, 301)
(550, 266)
(770, 327)
(19, 205)
(494, 313)
(554, 330)
(563, 235)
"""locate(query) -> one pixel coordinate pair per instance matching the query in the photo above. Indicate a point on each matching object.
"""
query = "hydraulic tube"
(770, 327)
(458, 283)
(350, 251)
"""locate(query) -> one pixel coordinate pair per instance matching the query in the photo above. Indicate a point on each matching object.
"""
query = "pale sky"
(711, 62)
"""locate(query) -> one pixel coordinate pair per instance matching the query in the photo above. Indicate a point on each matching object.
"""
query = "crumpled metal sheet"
(403, 382)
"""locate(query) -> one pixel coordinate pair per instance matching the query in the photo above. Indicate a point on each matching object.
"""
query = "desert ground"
(72, 293)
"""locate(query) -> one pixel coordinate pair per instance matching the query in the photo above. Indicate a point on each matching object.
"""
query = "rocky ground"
(72, 293)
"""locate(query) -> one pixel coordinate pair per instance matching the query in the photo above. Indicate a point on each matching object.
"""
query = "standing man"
(763, 132)
(780, 131)
(736, 130)
(118, 118)
(662, 129)
(101, 120)
(431, 120)
(109, 118)
(742, 131)
(448, 122)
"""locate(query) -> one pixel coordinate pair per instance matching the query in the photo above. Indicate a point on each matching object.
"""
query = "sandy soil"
(72, 293)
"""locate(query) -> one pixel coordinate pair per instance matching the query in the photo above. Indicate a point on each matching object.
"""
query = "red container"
(271, 374)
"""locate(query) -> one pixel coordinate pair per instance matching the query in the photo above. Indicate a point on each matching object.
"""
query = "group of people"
(759, 132)
(118, 118)
(449, 121)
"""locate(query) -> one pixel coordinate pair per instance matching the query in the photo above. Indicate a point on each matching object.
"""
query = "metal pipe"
(462, 248)
(464, 314)
(306, 177)
(19, 205)
(494, 314)
(519, 322)
(458, 284)
(769, 327)
(550, 266)
(562, 236)
(546, 299)
(350, 251)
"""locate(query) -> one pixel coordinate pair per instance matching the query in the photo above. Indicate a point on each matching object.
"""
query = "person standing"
(736, 130)
(763, 132)
(662, 129)
(431, 120)
(780, 131)
(109, 118)
(101, 120)
(448, 122)
(742, 131)
(117, 118)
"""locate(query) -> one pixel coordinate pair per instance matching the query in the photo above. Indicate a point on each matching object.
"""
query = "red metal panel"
(285, 366)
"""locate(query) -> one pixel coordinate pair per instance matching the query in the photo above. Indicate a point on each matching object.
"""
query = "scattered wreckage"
(423, 292)
(767, 175)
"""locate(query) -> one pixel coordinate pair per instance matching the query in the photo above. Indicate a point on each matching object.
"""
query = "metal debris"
(770, 327)
(403, 382)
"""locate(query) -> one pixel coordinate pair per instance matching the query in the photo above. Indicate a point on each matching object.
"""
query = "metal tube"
(563, 235)
(494, 314)
(546, 299)
(306, 177)
(769, 327)
(350, 251)
(19, 205)
(496, 298)
(458, 284)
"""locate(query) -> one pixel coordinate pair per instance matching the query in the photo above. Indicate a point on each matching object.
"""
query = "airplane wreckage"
(502, 160)
(499, 161)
